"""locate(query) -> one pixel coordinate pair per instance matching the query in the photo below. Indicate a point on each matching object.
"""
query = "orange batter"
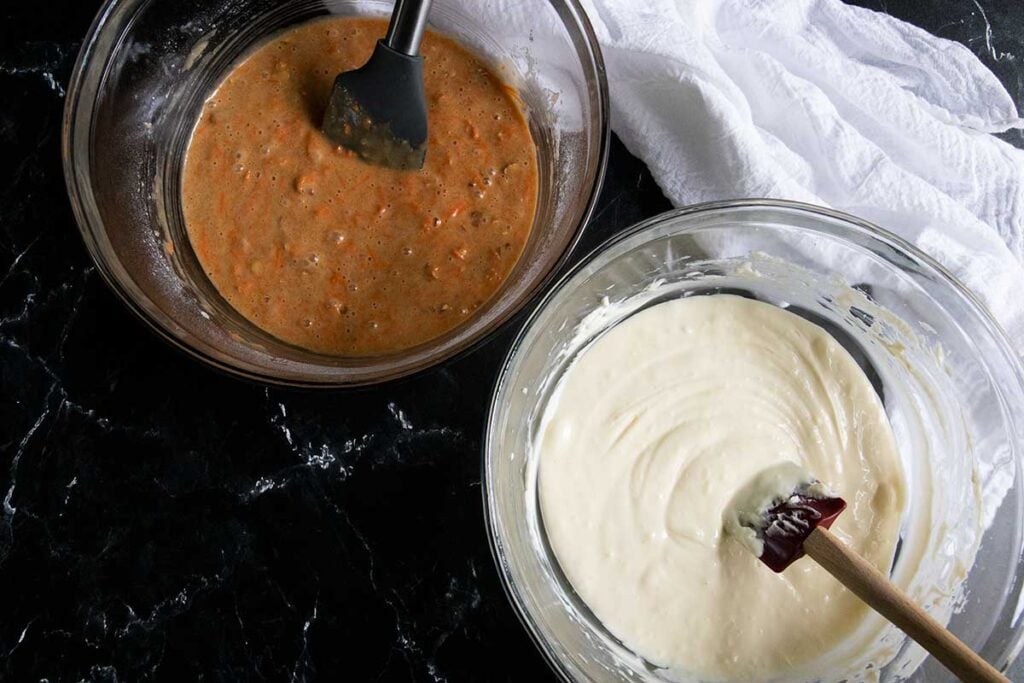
(330, 253)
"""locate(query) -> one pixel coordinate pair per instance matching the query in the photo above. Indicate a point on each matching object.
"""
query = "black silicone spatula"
(795, 523)
(379, 111)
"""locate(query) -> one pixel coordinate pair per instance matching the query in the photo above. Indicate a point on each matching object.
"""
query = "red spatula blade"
(788, 524)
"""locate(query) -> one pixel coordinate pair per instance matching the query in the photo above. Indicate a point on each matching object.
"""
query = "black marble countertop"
(163, 521)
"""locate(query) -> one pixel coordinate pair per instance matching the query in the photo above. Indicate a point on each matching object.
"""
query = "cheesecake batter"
(652, 432)
(331, 253)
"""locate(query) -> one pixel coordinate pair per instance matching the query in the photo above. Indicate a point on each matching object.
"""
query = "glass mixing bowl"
(952, 386)
(138, 86)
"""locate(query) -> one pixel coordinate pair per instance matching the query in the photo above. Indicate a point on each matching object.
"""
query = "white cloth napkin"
(818, 101)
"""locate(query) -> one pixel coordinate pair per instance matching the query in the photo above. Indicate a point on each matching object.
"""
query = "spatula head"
(788, 524)
(379, 111)
(774, 513)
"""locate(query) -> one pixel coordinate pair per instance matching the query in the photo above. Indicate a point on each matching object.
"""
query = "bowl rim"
(496, 542)
(88, 220)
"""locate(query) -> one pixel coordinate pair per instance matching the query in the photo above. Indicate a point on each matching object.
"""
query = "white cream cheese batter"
(652, 432)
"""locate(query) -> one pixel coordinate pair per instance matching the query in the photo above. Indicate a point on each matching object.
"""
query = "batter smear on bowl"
(333, 254)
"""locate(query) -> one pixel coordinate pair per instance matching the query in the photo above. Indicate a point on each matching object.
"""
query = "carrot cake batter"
(328, 252)
(652, 432)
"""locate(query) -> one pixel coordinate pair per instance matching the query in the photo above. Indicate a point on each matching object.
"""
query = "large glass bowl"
(140, 81)
(952, 386)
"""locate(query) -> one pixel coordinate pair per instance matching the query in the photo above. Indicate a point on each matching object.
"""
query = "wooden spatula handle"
(874, 588)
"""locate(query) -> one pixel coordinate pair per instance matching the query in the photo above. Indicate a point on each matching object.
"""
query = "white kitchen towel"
(818, 101)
